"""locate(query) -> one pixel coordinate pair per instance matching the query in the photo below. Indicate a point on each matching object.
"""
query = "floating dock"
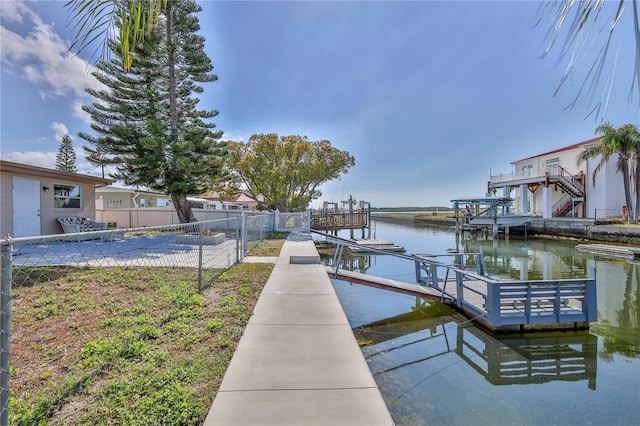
(501, 306)
(610, 250)
(497, 305)
(365, 246)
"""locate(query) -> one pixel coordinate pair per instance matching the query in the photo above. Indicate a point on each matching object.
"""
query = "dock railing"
(336, 221)
(505, 303)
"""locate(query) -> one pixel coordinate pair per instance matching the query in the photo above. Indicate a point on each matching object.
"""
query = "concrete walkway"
(298, 362)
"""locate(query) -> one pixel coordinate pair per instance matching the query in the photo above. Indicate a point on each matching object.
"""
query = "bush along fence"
(610, 215)
(205, 248)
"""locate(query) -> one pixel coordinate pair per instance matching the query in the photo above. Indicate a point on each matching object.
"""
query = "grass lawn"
(127, 345)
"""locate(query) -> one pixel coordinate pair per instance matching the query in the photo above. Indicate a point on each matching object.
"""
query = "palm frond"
(99, 21)
(588, 28)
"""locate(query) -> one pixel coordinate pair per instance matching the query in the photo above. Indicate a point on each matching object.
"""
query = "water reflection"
(433, 367)
(529, 260)
(618, 280)
(618, 307)
(429, 330)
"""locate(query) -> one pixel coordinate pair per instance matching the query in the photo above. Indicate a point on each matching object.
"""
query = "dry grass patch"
(269, 247)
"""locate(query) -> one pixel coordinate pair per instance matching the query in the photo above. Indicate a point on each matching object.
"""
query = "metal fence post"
(5, 322)
(243, 234)
(200, 242)
(238, 242)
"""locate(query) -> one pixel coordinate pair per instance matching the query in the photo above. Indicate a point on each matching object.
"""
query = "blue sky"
(429, 96)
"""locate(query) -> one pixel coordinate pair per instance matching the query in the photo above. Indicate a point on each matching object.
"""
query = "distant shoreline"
(571, 228)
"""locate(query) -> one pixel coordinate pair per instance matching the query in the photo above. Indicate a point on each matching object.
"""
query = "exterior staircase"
(573, 188)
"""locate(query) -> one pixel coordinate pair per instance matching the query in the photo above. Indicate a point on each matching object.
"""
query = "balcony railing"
(524, 174)
(555, 171)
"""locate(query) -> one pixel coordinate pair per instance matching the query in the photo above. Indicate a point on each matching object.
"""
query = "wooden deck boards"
(610, 250)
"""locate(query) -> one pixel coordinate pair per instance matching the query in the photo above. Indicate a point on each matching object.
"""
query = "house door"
(26, 207)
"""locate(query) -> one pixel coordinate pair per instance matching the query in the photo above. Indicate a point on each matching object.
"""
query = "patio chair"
(73, 224)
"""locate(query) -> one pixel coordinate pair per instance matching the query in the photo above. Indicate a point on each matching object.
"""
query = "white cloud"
(80, 113)
(32, 158)
(60, 130)
(230, 137)
(41, 56)
(48, 160)
(13, 11)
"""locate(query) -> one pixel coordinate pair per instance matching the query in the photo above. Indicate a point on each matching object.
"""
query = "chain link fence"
(210, 246)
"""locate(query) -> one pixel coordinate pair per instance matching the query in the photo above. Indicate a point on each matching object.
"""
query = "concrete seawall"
(556, 227)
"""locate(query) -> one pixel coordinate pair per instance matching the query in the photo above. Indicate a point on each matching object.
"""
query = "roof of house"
(244, 198)
(566, 148)
(25, 169)
(241, 198)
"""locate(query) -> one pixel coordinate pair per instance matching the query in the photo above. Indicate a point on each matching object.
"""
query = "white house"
(552, 184)
(113, 198)
(241, 202)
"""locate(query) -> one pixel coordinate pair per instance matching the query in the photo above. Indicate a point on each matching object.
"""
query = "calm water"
(434, 367)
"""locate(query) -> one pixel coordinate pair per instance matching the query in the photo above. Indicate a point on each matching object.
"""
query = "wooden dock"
(610, 250)
(365, 246)
(337, 221)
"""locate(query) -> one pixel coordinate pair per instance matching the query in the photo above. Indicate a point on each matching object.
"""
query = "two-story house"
(552, 184)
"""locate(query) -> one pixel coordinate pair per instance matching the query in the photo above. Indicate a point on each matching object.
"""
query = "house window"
(67, 196)
(553, 165)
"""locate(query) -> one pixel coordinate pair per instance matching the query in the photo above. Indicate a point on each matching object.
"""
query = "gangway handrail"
(351, 243)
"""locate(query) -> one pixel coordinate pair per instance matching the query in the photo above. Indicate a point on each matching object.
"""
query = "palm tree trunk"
(627, 190)
(636, 189)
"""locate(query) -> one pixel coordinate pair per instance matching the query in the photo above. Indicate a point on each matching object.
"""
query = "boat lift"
(486, 211)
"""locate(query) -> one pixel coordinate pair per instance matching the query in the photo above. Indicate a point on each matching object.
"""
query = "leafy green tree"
(66, 156)
(284, 173)
(147, 123)
(621, 142)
